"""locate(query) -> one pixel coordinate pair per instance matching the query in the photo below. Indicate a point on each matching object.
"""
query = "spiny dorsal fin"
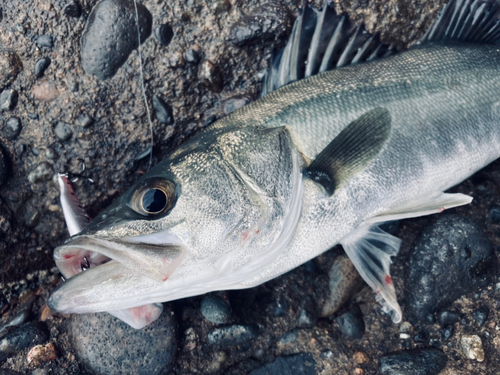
(352, 150)
(472, 21)
(321, 40)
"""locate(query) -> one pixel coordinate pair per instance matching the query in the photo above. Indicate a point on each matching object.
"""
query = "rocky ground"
(65, 103)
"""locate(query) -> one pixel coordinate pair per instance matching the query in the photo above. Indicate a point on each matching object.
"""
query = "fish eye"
(153, 197)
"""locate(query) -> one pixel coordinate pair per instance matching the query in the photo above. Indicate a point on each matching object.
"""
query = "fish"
(349, 134)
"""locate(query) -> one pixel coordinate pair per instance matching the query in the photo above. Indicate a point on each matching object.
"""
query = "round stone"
(63, 131)
(41, 66)
(164, 34)
(12, 128)
(215, 310)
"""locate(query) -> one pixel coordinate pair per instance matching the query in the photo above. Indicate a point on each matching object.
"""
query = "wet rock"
(41, 66)
(425, 361)
(45, 91)
(4, 170)
(472, 347)
(344, 282)
(233, 335)
(266, 23)
(215, 310)
(43, 172)
(85, 120)
(289, 337)
(303, 364)
(149, 350)
(447, 332)
(8, 99)
(111, 35)
(164, 34)
(221, 6)
(209, 75)
(42, 353)
(351, 323)
(73, 9)
(480, 315)
(45, 41)
(446, 318)
(12, 128)
(33, 333)
(192, 56)
(163, 111)
(452, 257)
(421, 337)
(235, 103)
(63, 131)
(308, 316)
(10, 67)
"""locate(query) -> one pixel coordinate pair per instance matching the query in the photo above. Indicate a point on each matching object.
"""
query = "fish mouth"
(104, 274)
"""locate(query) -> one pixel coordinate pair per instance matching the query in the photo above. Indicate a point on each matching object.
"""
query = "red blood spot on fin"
(388, 280)
(68, 256)
(442, 209)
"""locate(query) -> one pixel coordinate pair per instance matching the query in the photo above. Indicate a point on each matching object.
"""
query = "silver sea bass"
(315, 163)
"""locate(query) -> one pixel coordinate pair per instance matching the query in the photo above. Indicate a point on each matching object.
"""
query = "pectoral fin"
(352, 150)
(427, 206)
(370, 250)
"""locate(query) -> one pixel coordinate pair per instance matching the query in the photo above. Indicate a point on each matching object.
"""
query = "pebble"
(405, 327)
(344, 281)
(480, 315)
(209, 75)
(472, 347)
(303, 364)
(63, 131)
(85, 120)
(163, 111)
(109, 346)
(41, 66)
(289, 337)
(447, 332)
(43, 172)
(164, 34)
(192, 56)
(42, 353)
(10, 67)
(50, 153)
(447, 318)
(422, 361)
(235, 103)
(360, 358)
(351, 323)
(452, 257)
(45, 91)
(215, 310)
(32, 333)
(45, 41)
(12, 128)
(111, 35)
(268, 22)
(8, 99)
(221, 6)
(404, 336)
(176, 60)
(72, 9)
(307, 318)
(233, 335)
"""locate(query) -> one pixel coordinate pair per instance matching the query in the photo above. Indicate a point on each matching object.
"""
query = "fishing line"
(142, 84)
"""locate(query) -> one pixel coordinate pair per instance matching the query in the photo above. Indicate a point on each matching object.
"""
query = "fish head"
(186, 227)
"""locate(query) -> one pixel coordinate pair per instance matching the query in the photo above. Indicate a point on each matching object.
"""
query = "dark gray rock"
(308, 316)
(30, 334)
(233, 335)
(111, 35)
(289, 337)
(45, 41)
(480, 315)
(10, 67)
(8, 99)
(63, 131)
(72, 9)
(192, 56)
(9, 372)
(163, 111)
(425, 361)
(12, 128)
(109, 346)
(447, 318)
(43, 172)
(303, 364)
(235, 103)
(452, 257)
(85, 120)
(4, 170)
(41, 66)
(351, 323)
(164, 34)
(50, 153)
(494, 214)
(268, 22)
(447, 332)
(215, 310)
(209, 75)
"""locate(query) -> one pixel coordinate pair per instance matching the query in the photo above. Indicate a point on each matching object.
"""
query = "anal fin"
(427, 206)
(370, 250)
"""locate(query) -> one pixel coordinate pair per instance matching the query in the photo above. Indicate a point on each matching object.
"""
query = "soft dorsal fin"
(472, 21)
(352, 150)
(321, 40)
